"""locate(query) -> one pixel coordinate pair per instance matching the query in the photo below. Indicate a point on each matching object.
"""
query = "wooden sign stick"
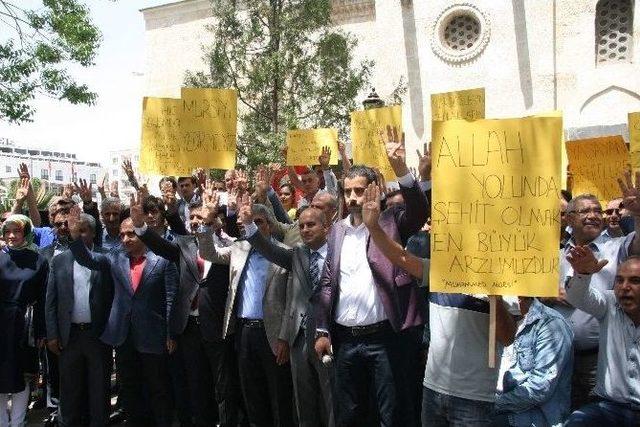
(493, 307)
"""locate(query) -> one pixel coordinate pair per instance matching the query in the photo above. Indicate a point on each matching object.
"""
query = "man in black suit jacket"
(77, 308)
(197, 316)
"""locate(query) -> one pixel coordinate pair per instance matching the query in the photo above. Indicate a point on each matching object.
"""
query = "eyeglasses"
(612, 211)
(60, 224)
(587, 211)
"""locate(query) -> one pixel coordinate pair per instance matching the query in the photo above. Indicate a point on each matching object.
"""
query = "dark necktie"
(314, 269)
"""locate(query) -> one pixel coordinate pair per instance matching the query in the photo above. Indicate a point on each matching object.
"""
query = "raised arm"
(206, 244)
(81, 254)
(389, 247)
(631, 194)
(330, 180)
(346, 163)
(579, 292)
(155, 243)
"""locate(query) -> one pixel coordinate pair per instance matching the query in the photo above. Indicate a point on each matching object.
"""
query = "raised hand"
(136, 211)
(23, 171)
(73, 221)
(371, 206)
(240, 182)
(202, 177)
(382, 183)
(631, 193)
(83, 190)
(395, 147)
(262, 181)
(103, 182)
(210, 204)
(424, 163)
(342, 149)
(324, 158)
(169, 196)
(583, 261)
(23, 190)
(143, 191)
(245, 213)
(131, 176)
(113, 192)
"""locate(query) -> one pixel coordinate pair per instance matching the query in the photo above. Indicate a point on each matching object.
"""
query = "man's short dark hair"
(153, 203)
(196, 204)
(193, 179)
(170, 179)
(361, 170)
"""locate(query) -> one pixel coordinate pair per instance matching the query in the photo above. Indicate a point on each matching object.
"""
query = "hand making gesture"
(245, 214)
(583, 261)
(424, 163)
(395, 146)
(210, 204)
(631, 193)
(371, 206)
(136, 211)
(324, 158)
(83, 190)
(23, 190)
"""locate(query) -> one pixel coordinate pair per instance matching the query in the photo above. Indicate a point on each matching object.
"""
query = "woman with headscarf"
(23, 279)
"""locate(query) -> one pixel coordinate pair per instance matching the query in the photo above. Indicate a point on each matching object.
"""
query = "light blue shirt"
(322, 252)
(537, 385)
(618, 374)
(616, 250)
(252, 286)
(109, 242)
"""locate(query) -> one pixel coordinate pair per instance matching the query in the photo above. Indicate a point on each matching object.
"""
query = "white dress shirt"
(359, 303)
(81, 312)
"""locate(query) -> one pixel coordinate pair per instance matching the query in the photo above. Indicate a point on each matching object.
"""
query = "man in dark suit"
(138, 326)
(364, 301)
(305, 262)
(193, 314)
(77, 309)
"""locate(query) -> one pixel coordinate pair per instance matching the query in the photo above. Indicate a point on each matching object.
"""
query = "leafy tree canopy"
(37, 46)
(291, 69)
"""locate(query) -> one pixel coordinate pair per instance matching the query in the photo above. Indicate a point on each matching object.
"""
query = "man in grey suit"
(255, 311)
(138, 326)
(305, 262)
(77, 309)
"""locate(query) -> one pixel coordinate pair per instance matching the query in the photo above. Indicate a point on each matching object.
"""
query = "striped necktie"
(314, 269)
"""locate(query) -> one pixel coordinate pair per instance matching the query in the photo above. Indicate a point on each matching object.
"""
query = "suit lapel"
(125, 267)
(191, 250)
(334, 253)
(303, 273)
(149, 266)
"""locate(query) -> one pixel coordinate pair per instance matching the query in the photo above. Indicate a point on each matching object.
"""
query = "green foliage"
(40, 188)
(41, 45)
(290, 67)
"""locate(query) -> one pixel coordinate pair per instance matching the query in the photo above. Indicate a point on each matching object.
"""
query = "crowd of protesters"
(291, 296)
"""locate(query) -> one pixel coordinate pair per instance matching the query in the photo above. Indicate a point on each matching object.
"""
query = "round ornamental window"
(614, 34)
(460, 33)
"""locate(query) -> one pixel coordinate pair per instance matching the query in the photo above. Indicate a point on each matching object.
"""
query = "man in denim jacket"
(537, 385)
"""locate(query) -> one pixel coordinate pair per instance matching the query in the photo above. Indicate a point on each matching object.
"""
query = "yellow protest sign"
(305, 145)
(495, 219)
(462, 104)
(161, 136)
(198, 130)
(563, 152)
(596, 164)
(367, 147)
(209, 121)
(634, 140)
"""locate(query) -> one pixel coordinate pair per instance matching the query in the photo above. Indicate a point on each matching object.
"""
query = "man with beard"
(585, 217)
(614, 213)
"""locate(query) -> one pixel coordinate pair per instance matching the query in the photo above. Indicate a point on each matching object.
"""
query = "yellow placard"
(596, 164)
(209, 122)
(161, 136)
(367, 147)
(305, 145)
(634, 140)
(462, 104)
(495, 219)
(563, 152)
(198, 130)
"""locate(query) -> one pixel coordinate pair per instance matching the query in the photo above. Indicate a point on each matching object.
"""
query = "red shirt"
(136, 265)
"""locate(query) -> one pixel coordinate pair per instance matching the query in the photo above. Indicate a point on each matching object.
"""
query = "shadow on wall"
(413, 70)
(522, 48)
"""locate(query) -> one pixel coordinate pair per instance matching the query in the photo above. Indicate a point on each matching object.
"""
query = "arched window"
(614, 31)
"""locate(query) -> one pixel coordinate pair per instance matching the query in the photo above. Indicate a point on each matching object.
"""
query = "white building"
(116, 173)
(532, 56)
(55, 167)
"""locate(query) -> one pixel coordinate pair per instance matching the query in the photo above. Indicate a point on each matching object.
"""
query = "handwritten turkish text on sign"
(198, 130)
(367, 147)
(596, 164)
(634, 140)
(305, 145)
(495, 219)
(463, 104)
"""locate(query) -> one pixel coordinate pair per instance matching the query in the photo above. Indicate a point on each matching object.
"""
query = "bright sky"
(118, 79)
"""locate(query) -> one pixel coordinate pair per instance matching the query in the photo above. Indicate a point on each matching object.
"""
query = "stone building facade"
(532, 56)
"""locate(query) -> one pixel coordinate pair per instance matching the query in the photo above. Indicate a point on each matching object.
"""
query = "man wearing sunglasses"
(615, 215)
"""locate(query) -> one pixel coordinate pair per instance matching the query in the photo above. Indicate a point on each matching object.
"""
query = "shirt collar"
(347, 223)
(595, 243)
(323, 250)
(535, 312)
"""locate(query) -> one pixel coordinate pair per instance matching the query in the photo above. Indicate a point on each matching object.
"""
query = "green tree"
(36, 49)
(290, 67)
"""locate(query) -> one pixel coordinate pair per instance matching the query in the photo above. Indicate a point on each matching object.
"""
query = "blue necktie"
(314, 269)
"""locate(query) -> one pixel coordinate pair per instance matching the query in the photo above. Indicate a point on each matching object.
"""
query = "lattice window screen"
(614, 30)
(462, 32)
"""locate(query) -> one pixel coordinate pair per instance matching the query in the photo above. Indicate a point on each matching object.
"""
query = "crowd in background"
(290, 296)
